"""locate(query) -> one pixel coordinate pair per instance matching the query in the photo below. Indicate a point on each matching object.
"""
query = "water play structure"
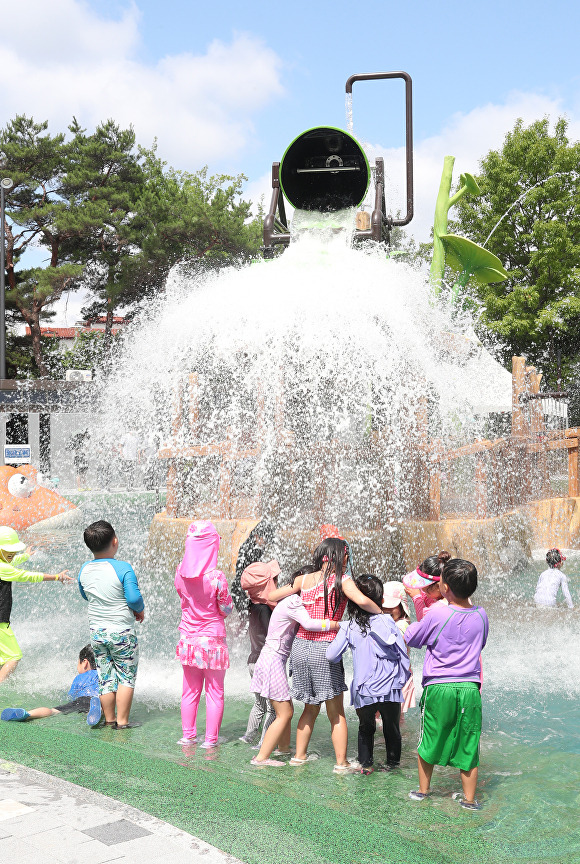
(25, 505)
(330, 384)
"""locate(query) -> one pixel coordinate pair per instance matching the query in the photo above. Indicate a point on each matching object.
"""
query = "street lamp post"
(6, 185)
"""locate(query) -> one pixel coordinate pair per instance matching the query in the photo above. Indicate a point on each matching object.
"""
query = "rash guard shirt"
(113, 594)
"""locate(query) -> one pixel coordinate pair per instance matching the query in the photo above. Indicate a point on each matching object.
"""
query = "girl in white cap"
(12, 552)
(395, 604)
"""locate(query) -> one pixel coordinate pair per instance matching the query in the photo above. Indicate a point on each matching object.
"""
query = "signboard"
(17, 454)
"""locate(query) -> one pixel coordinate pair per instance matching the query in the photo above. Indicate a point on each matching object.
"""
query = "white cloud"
(62, 59)
(468, 137)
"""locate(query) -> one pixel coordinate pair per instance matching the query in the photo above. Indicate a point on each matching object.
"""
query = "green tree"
(529, 216)
(180, 218)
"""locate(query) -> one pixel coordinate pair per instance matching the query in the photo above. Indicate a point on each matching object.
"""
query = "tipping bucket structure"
(325, 169)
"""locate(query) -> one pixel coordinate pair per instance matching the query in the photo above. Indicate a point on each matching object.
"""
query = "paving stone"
(119, 831)
(14, 849)
(56, 838)
(32, 823)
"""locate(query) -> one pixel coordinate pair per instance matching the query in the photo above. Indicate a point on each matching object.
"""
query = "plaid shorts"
(116, 657)
(314, 679)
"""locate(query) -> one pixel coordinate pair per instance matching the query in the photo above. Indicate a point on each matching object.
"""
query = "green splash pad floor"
(308, 815)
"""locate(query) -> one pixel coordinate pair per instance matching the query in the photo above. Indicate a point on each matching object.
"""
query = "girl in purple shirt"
(380, 672)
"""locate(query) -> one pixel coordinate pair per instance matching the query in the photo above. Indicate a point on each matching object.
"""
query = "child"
(270, 680)
(451, 700)
(12, 552)
(551, 580)
(202, 649)
(258, 580)
(380, 671)
(83, 695)
(314, 678)
(395, 604)
(423, 585)
(115, 603)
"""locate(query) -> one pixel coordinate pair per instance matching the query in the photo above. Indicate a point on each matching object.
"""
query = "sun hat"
(9, 541)
(393, 594)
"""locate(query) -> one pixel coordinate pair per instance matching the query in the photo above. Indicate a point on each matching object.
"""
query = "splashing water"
(309, 366)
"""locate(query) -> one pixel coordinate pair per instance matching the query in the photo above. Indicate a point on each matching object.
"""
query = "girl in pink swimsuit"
(202, 649)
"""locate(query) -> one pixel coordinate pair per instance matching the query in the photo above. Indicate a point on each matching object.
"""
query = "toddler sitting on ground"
(83, 695)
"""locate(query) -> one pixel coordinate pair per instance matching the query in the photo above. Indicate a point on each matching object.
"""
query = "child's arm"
(14, 575)
(418, 634)
(352, 592)
(223, 596)
(566, 591)
(419, 604)
(286, 591)
(316, 625)
(338, 646)
(131, 590)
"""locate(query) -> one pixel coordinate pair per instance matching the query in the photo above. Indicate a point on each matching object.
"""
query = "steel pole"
(2, 275)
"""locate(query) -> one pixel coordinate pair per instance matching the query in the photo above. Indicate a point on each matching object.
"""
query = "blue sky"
(230, 84)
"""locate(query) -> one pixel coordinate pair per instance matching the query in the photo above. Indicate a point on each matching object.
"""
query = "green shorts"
(450, 725)
(9, 647)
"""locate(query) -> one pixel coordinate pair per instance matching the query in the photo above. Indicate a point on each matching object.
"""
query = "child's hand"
(412, 592)
(139, 616)
(335, 625)
(64, 577)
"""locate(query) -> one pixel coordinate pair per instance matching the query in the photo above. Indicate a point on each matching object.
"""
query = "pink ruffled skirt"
(204, 652)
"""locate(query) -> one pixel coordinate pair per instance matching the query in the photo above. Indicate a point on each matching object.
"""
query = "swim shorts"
(450, 724)
(77, 706)
(9, 647)
(116, 658)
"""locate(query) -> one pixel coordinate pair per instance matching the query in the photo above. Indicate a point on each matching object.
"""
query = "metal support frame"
(376, 76)
(276, 224)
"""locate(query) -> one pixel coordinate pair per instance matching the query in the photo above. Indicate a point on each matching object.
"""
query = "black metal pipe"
(377, 76)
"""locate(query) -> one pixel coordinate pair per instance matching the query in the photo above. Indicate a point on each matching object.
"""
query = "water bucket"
(324, 169)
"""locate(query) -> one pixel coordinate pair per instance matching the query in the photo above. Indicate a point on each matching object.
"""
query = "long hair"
(329, 559)
(372, 587)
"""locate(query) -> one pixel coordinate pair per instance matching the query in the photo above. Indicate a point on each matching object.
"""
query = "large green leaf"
(464, 256)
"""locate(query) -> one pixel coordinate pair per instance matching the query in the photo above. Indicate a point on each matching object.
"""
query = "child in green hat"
(12, 552)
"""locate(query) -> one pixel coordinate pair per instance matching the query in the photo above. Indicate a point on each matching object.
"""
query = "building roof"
(70, 332)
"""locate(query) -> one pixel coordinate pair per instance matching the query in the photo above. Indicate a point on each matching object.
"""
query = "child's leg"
(192, 687)
(283, 744)
(7, 669)
(338, 728)
(124, 702)
(37, 713)
(257, 713)
(214, 703)
(304, 730)
(107, 675)
(367, 725)
(278, 731)
(125, 657)
(10, 652)
(391, 714)
(425, 774)
(469, 783)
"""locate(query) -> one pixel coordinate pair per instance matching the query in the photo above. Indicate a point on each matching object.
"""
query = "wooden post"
(480, 488)
(519, 425)
(435, 495)
(194, 407)
(172, 497)
(573, 486)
